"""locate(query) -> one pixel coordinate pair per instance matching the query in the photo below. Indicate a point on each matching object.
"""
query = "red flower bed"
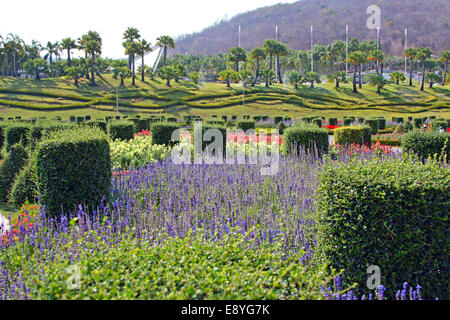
(143, 133)
(25, 222)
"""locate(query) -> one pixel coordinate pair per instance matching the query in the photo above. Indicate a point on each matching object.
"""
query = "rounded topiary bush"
(426, 144)
(353, 135)
(25, 185)
(16, 132)
(162, 132)
(10, 167)
(98, 123)
(73, 167)
(122, 130)
(246, 125)
(373, 124)
(308, 137)
(393, 214)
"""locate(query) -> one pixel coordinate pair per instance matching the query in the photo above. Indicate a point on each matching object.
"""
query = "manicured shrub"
(408, 126)
(246, 117)
(381, 124)
(215, 121)
(278, 119)
(437, 124)
(234, 117)
(172, 119)
(349, 135)
(98, 123)
(123, 130)
(14, 161)
(391, 214)
(426, 144)
(332, 121)
(308, 137)
(347, 121)
(142, 124)
(317, 122)
(25, 188)
(281, 126)
(257, 118)
(16, 132)
(246, 125)
(373, 124)
(418, 122)
(223, 131)
(73, 167)
(162, 132)
(72, 118)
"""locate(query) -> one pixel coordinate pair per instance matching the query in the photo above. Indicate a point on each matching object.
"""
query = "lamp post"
(346, 49)
(312, 50)
(117, 92)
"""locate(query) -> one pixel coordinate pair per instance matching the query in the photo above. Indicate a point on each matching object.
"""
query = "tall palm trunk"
(279, 70)
(355, 90)
(257, 72)
(92, 71)
(142, 68)
(51, 66)
(165, 55)
(360, 76)
(69, 61)
(423, 75)
(87, 69)
(134, 70)
(445, 73)
(410, 72)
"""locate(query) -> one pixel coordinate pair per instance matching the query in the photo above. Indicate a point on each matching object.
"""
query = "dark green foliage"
(223, 132)
(278, 119)
(373, 124)
(16, 132)
(280, 127)
(25, 186)
(317, 122)
(381, 124)
(162, 132)
(72, 118)
(408, 126)
(426, 144)
(347, 121)
(122, 130)
(215, 121)
(246, 125)
(393, 214)
(73, 167)
(142, 124)
(10, 167)
(308, 137)
(257, 118)
(437, 124)
(332, 121)
(98, 123)
(418, 122)
(349, 135)
(246, 117)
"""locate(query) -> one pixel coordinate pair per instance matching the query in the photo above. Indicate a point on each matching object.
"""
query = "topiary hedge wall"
(73, 167)
(426, 144)
(308, 137)
(349, 135)
(122, 130)
(10, 167)
(162, 132)
(392, 214)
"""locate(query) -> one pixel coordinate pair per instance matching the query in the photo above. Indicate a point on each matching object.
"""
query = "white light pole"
(187, 71)
(117, 93)
(346, 49)
(276, 33)
(312, 50)
(378, 43)
(239, 45)
(406, 47)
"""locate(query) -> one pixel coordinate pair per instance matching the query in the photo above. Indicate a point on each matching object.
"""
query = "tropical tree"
(269, 76)
(423, 54)
(312, 77)
(144, 47)
(180, 71)
(195, 77)
(165, 42)
(301, 60)
(120, 71)
(245, 76)
(410, 54)
(356, 58)
(132, 48)
(36, 66)
(378, 81)
(338, 77)
(269, 47)
(237, 55)
(93, 46)
(295, 78)
(52, 49)
(228, 76)
(378, 58)
(445, 58)
(432, 78)
(257, 54)
(75, 73)
(397, 76)
(130, 35)
(167, 73)
(68, 44)
(280, 50)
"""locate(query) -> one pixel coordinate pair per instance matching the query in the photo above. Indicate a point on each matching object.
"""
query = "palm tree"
(356, 58)
(165, 42)
(120, 70)
(167, 73)
(376, 80)
(257, 54)
(397, 76)
(245, 76)
(144, 47)
(423, 54)
(132, 48)
(269, 48)
(378, 58)
(410, 54)
(268, 75)
(301, 60)
(228, 75)
(36, 66)
(445, 58)
(280, 50)
(237, 55)
(68, 44)
(93, 46)
(338, 77)
(312, 77)
(130, 35)
(75, 72)
(432, 78)
(82, 46)
(295, 78)
(52, 49)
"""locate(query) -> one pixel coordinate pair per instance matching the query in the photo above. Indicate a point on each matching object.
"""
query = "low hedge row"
(121, 130)
(10, 167)
(307, 137)
(246, 125)
(359, 135)
(162, 132)
(426, 144)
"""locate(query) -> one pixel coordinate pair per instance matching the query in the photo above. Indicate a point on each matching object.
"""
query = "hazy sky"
(53, 20)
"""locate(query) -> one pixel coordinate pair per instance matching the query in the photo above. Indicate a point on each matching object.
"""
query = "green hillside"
(59, 97)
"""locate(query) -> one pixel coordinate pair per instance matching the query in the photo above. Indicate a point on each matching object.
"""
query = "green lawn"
(59, 97)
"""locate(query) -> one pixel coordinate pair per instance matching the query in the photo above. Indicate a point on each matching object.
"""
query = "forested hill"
(427, 21)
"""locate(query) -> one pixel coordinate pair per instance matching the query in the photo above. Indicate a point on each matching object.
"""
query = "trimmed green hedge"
(73, 167)
(98, 123)
(246, 125)
(437, 124)
(14, 161)
(25, 185)
(16, 132)
(308, 137)
(393, 214)
(122, 130)
(426, 144)
(162, 132)
(349, 135)
(373, 124)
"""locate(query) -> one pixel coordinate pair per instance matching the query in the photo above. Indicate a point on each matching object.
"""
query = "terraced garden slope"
(59, 97)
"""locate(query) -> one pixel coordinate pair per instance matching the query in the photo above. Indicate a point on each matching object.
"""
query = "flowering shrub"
(137, 152)
(341, 152)
(26, 220)
(143, 133)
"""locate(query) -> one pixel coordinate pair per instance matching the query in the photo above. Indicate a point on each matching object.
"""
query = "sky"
(53, 20)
